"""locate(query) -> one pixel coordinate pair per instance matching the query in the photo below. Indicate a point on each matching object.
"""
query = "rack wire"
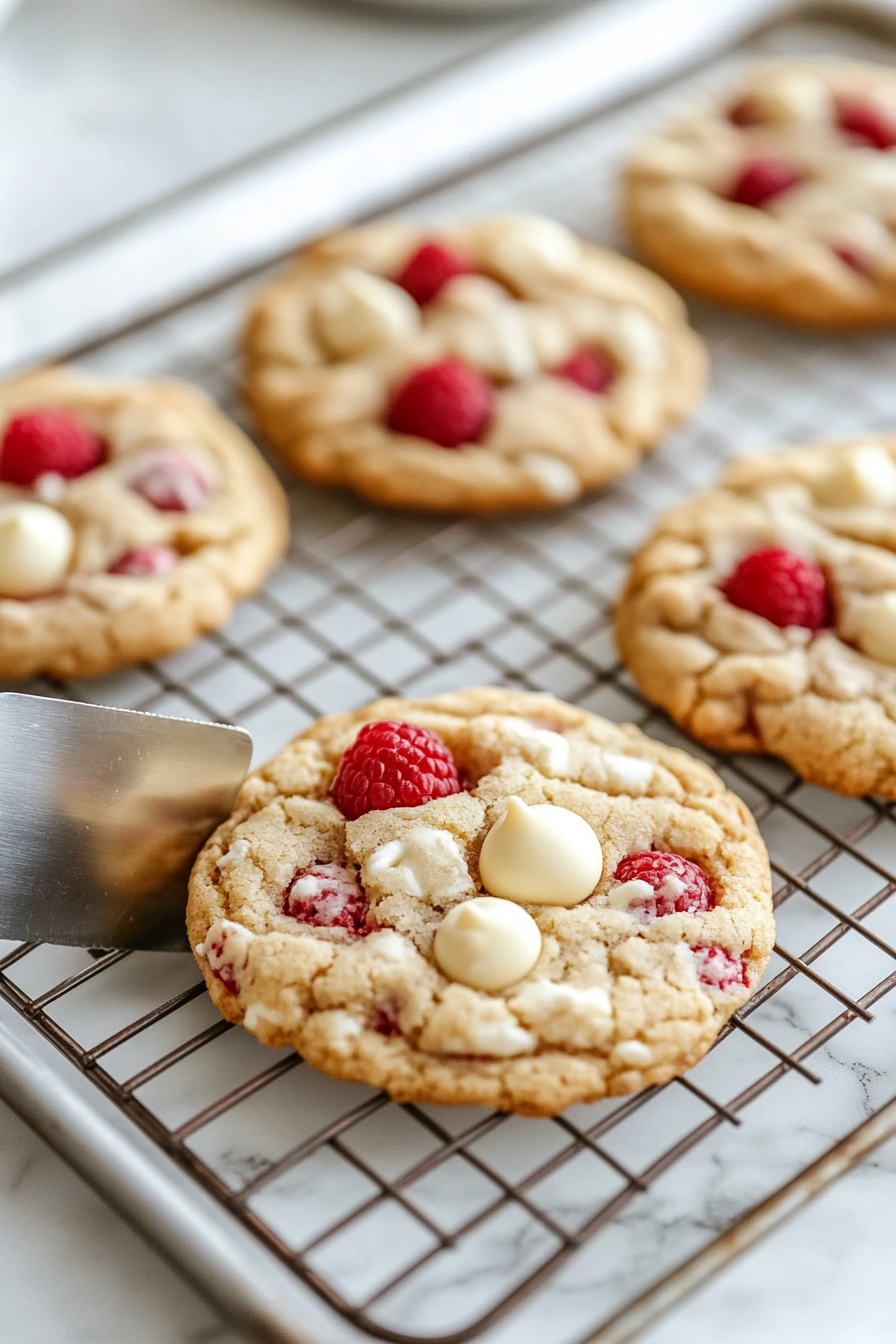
(387, 1212)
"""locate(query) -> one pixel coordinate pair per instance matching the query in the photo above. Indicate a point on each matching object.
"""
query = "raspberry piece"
(785, 588)
(226, 959)
(173, 482)
(588, 369)
(853, 257)
(146, 561)
(448, 403)
(393, 765)
(762, 180)
(867, 123)
(719, 969)
(328, 897)
(680, 886)
(745, 112)
(429, 270)
(385, 1019)
(50, 441)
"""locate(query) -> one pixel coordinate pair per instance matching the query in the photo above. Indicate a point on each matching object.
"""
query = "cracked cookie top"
(778, 194)
(558, 908)
(499, 364)
(762, 615)
(132, 515)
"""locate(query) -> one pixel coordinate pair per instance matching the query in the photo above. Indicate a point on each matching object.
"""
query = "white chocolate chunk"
(556, 477)
(50, 487)
(577, 1018)
(791, 96)
(512, 337)
(430, 861)
(226, 949)
(487, 943)
(547, 750)
(237, 851)
(356, 310)
(632, 1055)
(501, 1038)
(628, 772)
(533, 243)
(543, 855)
(628, 894)
(640, 341)
(866, 475)
(877, 628)
(36, 545)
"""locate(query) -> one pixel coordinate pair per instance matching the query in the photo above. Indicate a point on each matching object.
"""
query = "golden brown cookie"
(488, 898)
(779, 194)
(762, 615)
(132, 516)
(500, 364)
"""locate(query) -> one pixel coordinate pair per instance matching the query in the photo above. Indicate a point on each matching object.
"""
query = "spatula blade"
(102, 812)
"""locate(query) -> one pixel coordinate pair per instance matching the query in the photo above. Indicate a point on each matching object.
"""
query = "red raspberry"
(146, 561)
(393, 765)
(761, 180)
(328, 897)
(588, 369)
(720, 969)
(429, 269)
(681, 886)
(37, 442)
(385, 1019)
(448, 403)
(785, 588)
(173, 481)
(865, 122)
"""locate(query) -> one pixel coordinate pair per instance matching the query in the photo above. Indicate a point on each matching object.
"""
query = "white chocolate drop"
(866, 475)
(877, 628)
(487, 943)
(356, 310)
(36, 545)
(628, 894)
(542, 855)
(429, 860)
(534, 243)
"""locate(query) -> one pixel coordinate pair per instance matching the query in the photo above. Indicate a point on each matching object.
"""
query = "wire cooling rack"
(432, 1223)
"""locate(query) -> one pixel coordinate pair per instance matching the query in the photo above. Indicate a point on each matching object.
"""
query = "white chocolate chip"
(543, 855)
(629, 893)
(356, 310)
(628, 772)
(238, 850)
(556, 477)
(472, 294)
(577, 1018)
(877, 628)
(501, 1038)
(547, 750)
(532, 243)
(632, 1055)
(789, 96)
(671, 887)
(639, 341)
(865, 475)
(36, 545)
(390, 946)
(50, 487)
(429, 861)
(487, 943)
(516, 351)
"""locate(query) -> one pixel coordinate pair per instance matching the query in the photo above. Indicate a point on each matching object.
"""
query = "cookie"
(488, 898)
(132, 516)
(778, 195)
(500, 364)
(762, 615)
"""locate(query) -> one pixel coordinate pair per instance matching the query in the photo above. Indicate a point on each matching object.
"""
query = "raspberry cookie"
(762, 615)
(779, 195)
(131, 517)
(502, 364)
(488, 898)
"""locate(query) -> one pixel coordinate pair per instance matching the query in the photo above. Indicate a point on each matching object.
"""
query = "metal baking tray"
(313, 1211)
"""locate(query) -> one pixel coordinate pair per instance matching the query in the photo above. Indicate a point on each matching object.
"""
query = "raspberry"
(146, 561)
(447, 403)
(393, 765)
(225, 963)
(680, 886)
(429, 270)
(720, 969)
(588, 369)
(785, 588)
(863, 121)
(173, 481)
(38, 442)
(745, 112)
(327, 896)
(853, 257)
(761, 180)
(385, 1019)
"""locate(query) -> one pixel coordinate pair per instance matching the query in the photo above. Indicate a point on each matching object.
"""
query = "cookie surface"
(816, 683)
(580, 361)
(167, 517)
(601, 993)
(778, 194)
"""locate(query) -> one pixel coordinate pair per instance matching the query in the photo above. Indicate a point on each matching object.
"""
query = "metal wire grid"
(371, 604)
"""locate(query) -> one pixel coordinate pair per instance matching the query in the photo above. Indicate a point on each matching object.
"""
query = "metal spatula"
(102, 812)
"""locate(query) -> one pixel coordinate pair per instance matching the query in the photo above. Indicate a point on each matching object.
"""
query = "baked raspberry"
(745, 112)
(173, 481)
(853, 257)
(761, 180)
(429, 270)
(50, 441)
(680, 886)
(866, 122)
(385, 1019)
(588, 369)
(327, 896)
(393, 765)
(785, 588)
(719, 969)
(448, 403)
(146, 561)
(226, 959)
